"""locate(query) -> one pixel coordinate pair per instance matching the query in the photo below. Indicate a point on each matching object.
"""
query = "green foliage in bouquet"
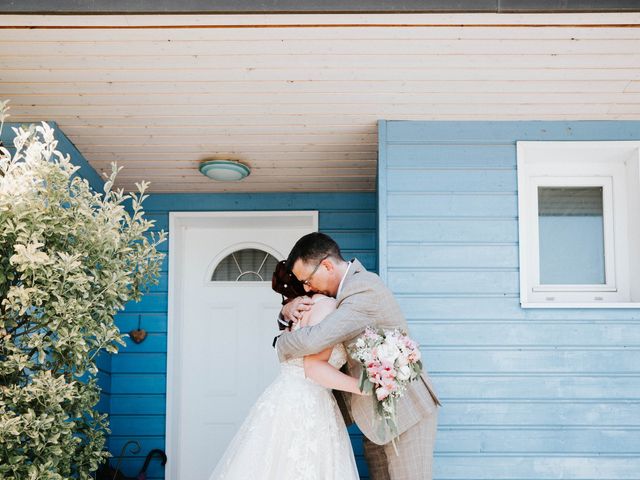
(70, 258)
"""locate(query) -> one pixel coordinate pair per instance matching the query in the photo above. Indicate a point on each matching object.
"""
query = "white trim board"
(375, 19)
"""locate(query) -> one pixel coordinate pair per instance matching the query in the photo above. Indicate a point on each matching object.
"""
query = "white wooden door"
(224, 358)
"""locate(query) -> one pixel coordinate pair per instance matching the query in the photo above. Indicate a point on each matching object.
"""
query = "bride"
(295, 430)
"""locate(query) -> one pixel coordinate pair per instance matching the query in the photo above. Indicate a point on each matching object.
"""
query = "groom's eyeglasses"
(308, 279)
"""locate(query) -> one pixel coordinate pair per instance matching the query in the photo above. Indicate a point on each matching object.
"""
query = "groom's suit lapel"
(356, 267)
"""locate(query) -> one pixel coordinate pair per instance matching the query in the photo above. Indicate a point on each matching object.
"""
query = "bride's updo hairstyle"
(312, 248)
(285, 283)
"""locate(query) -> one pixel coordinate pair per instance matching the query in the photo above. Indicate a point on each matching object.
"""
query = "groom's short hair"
(312, 248)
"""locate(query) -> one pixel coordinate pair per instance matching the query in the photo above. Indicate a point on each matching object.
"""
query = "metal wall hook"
(135, 449)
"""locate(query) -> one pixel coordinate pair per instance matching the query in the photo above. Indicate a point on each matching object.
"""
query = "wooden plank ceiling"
(297, 97)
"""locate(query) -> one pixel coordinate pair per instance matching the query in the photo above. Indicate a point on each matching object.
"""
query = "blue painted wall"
(527, 394)
(138, 372)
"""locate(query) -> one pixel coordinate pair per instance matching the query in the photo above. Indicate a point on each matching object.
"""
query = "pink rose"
(410, 343)
(373, 369)
(387, 370)
(389, 385)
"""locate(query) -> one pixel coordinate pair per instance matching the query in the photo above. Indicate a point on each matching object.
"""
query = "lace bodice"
(338, 356)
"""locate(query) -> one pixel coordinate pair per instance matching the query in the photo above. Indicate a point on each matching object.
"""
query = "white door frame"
(178, 221)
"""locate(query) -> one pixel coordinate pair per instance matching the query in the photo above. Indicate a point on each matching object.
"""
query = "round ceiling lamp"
(224, 170)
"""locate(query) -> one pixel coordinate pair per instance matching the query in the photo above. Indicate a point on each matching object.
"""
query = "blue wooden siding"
(527, 394)
(138, 372)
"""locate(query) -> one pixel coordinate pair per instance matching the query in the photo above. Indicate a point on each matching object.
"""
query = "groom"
(362, 300)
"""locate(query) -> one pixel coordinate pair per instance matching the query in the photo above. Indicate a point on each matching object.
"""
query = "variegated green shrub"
(69, 260)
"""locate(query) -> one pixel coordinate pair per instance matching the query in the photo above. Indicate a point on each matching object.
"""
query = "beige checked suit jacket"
(364, 300)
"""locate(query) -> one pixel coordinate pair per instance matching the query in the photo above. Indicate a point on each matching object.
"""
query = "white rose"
(404, 373)
(391, 340)
(388, 353)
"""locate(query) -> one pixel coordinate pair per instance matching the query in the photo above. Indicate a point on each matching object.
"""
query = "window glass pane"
(248, 265)
(571, 235)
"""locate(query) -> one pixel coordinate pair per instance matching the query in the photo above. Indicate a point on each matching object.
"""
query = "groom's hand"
(294, 310)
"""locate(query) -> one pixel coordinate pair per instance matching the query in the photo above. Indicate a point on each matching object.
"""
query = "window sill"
(580, 305)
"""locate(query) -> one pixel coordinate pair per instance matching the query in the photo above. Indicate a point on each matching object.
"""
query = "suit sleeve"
(354, 314)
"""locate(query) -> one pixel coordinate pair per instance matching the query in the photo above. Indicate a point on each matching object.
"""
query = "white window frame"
(614, 166)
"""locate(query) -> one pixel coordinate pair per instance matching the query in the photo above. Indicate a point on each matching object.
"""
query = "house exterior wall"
(526, 393)
(138, 372)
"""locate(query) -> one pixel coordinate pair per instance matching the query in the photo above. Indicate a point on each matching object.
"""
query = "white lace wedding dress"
(294, 432)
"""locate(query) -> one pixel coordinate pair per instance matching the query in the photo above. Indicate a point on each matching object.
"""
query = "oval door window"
(246, 265)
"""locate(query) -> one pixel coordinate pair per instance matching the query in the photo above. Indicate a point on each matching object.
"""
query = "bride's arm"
(317, 366)
(318, 369)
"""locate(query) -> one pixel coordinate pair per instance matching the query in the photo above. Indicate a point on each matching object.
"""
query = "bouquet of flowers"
(390, 361)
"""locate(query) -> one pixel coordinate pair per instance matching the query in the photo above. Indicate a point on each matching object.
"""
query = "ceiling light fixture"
(224, 170)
